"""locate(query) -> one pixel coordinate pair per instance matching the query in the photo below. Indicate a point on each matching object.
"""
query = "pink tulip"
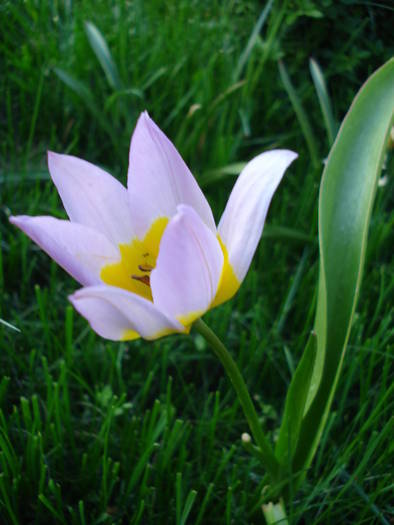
(149, 257)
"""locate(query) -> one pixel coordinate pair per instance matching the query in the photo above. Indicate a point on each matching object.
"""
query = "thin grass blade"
(75, 85)
(301, 114)
(101, 50)
(324, 100)
(80, 89)
(252, 41)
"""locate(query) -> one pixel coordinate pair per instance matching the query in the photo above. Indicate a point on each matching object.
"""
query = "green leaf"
(295, 404)
(347, 193)
(103, 54)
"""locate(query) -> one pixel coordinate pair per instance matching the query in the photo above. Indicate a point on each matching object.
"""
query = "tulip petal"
(79, 250)
(92, 197)
(159, 180)
(120, 315)
(188, 268)
(243, 219)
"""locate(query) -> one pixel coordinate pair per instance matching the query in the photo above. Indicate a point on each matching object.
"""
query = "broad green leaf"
(295, 404)
(347, 193)
(103, 54)
(324, 100)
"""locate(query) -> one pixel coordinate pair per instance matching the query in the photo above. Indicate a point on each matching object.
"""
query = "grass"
(94, 432)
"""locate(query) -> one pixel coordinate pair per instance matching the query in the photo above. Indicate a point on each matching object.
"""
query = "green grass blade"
(218, 174)
(9, 325)
(188, 506)
(301, 114)
(324, 100)
(101, 50)
(75, 85)
(80, 89)
(45, 501)
(34, 117)
(252, 41)
(346, 197)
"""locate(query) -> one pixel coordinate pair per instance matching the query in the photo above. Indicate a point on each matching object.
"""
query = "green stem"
(267, 454)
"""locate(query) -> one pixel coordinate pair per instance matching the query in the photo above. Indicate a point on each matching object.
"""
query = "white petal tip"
(55, 161)
(292, 155)
(18, 220)
(286, 154)
(53, 156)
(144, 118)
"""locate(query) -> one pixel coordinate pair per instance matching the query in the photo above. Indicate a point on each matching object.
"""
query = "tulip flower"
(149, 257)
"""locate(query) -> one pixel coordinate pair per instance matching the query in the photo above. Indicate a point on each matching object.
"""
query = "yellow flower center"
(138, 259)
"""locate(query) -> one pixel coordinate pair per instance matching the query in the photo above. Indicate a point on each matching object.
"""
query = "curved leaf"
(346, 197)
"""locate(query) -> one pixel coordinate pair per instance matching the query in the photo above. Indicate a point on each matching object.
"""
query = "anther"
(144, 279)
(145, 267)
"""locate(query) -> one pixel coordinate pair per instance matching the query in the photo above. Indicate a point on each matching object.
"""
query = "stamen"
(145, 254)
(144, 279)
(145, 267)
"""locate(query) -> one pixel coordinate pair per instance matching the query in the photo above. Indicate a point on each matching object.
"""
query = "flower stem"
(267, 455)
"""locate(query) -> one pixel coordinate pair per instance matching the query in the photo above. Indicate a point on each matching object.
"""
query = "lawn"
(97, 432)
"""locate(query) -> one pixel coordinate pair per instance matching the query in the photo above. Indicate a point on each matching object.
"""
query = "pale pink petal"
(242, 222)
(92, 197)
(159, 180)
(79, 250)
(115, 314)
(188, 268)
